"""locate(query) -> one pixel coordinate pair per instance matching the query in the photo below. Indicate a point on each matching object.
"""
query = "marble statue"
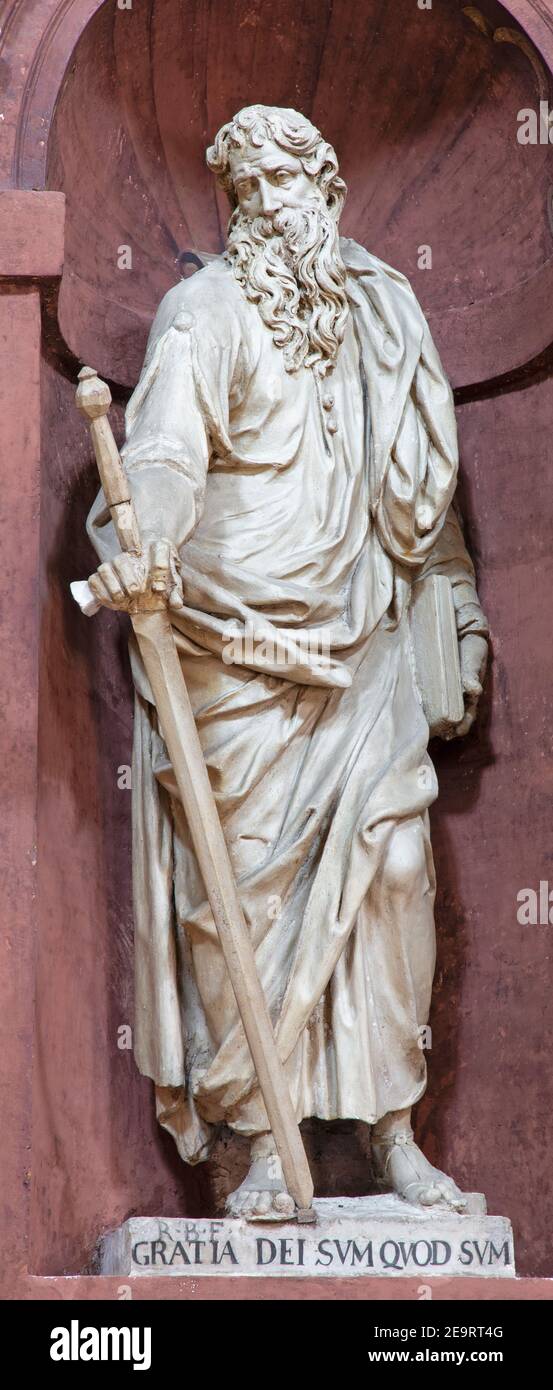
(292, 442)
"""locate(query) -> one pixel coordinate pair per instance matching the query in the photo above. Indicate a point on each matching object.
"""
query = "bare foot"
(263, 1195)
(401, 1166)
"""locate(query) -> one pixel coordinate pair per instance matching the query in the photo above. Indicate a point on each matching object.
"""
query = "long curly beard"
(290, 266)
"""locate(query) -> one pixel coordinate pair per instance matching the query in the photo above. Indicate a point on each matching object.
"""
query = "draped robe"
(317, 503)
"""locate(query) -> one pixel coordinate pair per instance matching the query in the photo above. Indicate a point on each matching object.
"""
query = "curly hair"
(292, 133)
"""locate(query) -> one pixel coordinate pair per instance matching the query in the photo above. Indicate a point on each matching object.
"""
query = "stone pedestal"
(350, 1237)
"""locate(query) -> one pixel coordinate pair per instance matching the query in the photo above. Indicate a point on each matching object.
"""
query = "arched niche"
(426, 132)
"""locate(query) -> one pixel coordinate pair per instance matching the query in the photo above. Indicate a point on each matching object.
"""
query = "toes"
(452, 1197)
(238, 1203)
(430, 1196)
(443, 1194)
(262, 1203)
(247, 1206)
(456, 1201)
(284, 1203)
(259, 1203)
(233, 1204)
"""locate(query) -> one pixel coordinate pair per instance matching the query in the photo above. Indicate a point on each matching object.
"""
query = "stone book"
(436, 651)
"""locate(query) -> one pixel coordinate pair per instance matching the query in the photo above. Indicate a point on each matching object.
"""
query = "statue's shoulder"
(389, 293)
(192, 303)
(359, 262)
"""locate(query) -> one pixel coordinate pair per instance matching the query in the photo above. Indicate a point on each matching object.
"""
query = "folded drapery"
(317, 757)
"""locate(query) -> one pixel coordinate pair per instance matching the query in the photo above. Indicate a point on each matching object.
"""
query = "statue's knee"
(405, 869)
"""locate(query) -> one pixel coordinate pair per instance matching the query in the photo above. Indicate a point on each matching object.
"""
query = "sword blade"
(159, 654)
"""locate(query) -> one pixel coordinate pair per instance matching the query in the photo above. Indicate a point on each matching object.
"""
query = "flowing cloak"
(316, 504)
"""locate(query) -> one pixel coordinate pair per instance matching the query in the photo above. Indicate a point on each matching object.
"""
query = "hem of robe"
(194, 1137)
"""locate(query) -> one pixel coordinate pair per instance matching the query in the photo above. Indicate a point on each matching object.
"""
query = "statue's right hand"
(119, 582)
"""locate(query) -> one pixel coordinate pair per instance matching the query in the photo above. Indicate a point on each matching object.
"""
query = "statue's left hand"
(473, 656)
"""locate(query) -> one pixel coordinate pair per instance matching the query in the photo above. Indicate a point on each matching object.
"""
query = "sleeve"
(422, 473)
(450, 556)
(176, 419)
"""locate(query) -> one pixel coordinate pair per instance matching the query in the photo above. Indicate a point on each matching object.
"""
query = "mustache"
(294, 230)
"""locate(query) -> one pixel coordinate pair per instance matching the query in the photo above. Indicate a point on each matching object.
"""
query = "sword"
(152, 625)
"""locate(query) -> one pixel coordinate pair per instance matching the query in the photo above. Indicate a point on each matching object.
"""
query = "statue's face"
(266, 180)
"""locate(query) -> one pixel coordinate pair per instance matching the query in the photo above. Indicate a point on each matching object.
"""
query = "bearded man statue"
(292, 440)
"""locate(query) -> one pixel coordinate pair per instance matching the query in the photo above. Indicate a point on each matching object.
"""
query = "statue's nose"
(271, 201)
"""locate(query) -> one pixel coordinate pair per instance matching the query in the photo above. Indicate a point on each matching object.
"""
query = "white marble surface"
(292, 439)
(351, 1237)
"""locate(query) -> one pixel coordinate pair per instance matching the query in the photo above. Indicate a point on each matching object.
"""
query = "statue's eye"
(245, 188)
(281, 176)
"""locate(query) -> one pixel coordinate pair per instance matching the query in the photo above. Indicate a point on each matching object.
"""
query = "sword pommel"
(93, 395)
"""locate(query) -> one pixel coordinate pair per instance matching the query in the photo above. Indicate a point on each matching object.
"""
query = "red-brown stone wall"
(82, 1146)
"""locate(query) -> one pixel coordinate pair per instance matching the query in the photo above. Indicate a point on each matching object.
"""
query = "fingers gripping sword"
(152, 625)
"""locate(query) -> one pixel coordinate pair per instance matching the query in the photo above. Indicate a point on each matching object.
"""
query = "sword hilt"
(93, 400)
